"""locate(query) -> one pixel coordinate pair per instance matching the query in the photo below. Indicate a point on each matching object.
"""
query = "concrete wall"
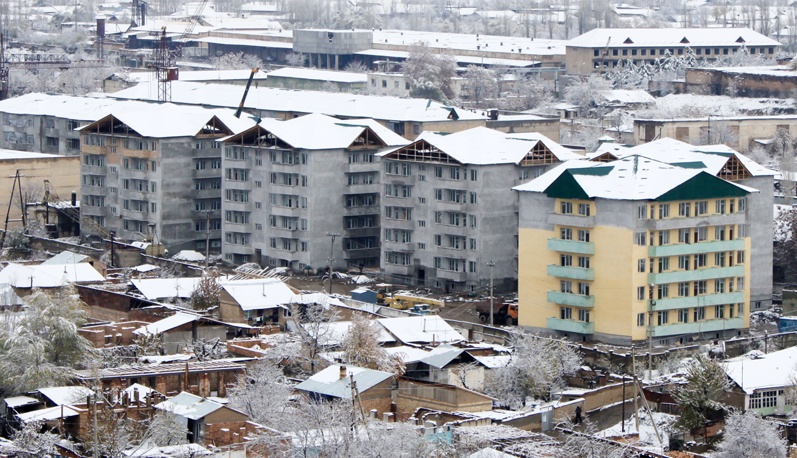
(777, 82)
(743, 130)
(42, 134)
(333, 42)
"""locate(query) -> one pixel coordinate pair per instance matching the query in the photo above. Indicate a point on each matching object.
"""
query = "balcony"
(364, 210)
(362, 232)
(698, 327)
(287, 211)
(361, 253)
(699, 301)
(558, 219)
(695, 275)
(451, 275)
(576, 300)
(396, 269)
(683, 223)
(579, 327)
(576, 273)
(695, 248)
(571, 246)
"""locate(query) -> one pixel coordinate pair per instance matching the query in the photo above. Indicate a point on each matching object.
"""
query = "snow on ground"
(763, 317)
(648, 439)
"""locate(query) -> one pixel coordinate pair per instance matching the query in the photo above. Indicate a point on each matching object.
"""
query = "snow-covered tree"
(785, 247)
(356, 66)
(699, 398)
(261, 393)
(585, 94)
(747, 435)
(361, 347)
(208, 291)
(430, 72)
(295, 59)
(236, 61)
(537, 368)
(32, 442)
(45, 345)
(481, 83)
(312, 323)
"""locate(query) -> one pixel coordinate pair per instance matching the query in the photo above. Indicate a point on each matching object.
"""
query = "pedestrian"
(578, 415)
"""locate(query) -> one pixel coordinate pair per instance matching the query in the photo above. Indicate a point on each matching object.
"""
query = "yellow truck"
(410, 301)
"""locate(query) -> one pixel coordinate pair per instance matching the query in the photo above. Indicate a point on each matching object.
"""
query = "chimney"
(342, 371)
(74, 199)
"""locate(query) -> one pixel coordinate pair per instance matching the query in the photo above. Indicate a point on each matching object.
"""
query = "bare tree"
(361, 347)
(236, 61)
(262, 393)
(208, 291)
(312, 324)
(481, 83)
(430, 72)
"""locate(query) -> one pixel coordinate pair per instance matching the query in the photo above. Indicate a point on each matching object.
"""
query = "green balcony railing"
(695, 248)
(576, 273)
(579, 327)
(571, 246)
(699, 301)
(576, 300)
(695, 275)
(696, 327)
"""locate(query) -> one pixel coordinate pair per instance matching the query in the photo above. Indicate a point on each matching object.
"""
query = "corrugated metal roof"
(50, 413)
(61, 395)
(329, 383)
(442, 355)
(425, 329)
(167, 324)
(17, 401)
(189, 406)
(49, 276)
(65, 257)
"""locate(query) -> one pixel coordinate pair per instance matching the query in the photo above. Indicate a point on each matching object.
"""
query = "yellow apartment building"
(619, 251)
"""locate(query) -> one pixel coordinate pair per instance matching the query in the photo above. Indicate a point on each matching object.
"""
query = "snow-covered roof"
(328, 132)
(483, 146)
(632, 177)
(440, 356)
(65, 395)
(319, 75)
(50, 413)
(328, 382)
(408, 354)
(261, 293)
(8, 296)
(166, 324)
(770, 370)
(289, 101)
(421, 329)
(189, 406)
(19, 401)
(146, 119)
(12, 155)
(49, 276)
(162, 288)
(671, 37)
(493, 362)
(144, 268)
(714, 157)
(198, 75)
(469, 42)
(629, 96)
(189, 255)
(65, 257)
(335, 332)
(170, 451)
(143, 391)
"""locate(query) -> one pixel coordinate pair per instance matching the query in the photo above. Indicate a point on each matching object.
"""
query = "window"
(640, 266)
(720, 207)
(683, 315)
(566, 233)
(683, 289)
(52, 142)
(742, 204)
(642, 212)
(583, 209)
(583, 315)
(583, 262)
(72, 143)
(565, 260)
(699, 314)
(740, 284)
(664, 237)
(566, 313)
(719, 233)
(663, 317)
(701, 260)
(566, 286)
(701, 208)
(566, 208)
(583, 289)
(640, 293)
(664, 211)
(640, 319)
(719, 259)
(683, 262)
(640, 238)
(740, 257)
(700, 287)
(764, 399)
(583, 235)
(683, 209)
(739, 308)
(663, 291)
(719, 311)
(701, 234)
(664, 264)
(719, 285)
(683, 235)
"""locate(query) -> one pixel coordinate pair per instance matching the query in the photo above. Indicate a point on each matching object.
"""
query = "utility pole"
(112, 234)
(491, 265)
(207, 236)
(329, 265)
(625, 371)
(650, 330)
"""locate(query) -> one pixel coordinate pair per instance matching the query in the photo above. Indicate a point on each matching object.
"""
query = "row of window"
(693, 262)
(693, 288)
(695, 314)
(683, 50)
(566, 286)
(566, 313)
(685, 209)
(693, 235)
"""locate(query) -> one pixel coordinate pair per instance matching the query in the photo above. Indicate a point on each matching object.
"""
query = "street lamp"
(491, 265)
(329, 265)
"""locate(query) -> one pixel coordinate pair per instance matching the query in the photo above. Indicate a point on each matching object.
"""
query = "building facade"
(448, 209)
(147, 179)
(296, 200)
(604, 49)
(634, 249)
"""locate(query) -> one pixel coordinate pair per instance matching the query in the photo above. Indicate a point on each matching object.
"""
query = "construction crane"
(246, 91)
(604, 53)
(3, 68)
(165, 66)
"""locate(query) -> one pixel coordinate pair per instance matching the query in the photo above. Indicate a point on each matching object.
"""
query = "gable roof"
(65, 395)
(189, 406)
(770, 370)
(167, 324)
(421, 329)
(327, 132)
(328, 382)
(49, 276)
(163, 288)
(261, 293)
(335, 332)
(482, 146)
(632, 178)
(660, 37)
(66, 257)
